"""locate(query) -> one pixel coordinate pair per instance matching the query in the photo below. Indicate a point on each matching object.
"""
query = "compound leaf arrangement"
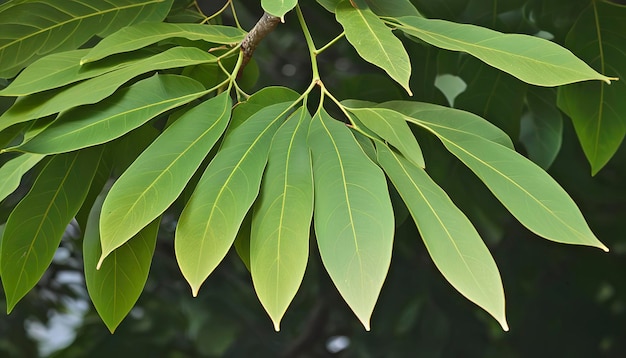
(285, 167)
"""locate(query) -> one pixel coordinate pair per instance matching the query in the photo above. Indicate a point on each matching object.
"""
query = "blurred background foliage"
(565, 301)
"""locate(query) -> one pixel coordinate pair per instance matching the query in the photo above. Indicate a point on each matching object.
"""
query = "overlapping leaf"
(35, 227)
(116, 286)
(393, 8)
(93, 90)
(542, 127)
(531, 59)
(158, 176)
(597, 110)
(35, 28)
(279, 241)
(452, 241)
(13, 170)
(353, 215)
(528, 192)
(210, 220)
(144, 34)
(278, 7)
(115, 116)
(375, 42)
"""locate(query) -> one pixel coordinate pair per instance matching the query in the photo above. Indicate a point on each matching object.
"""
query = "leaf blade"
(12, 171)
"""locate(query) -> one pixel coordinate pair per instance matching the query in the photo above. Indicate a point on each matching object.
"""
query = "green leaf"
(437, 117)
(144, 34)
(115, 116)
(158, 176)
(354, 221)
(392, 127)
(116, 286)
(12, 171)
(528, 192)
(259, 100)
(278, 7)
(36, 225)
(393, 8)
(209, 222)
(452, 241)
(279, 241)
(63, 68)
(375, 42)
(94, 90)
(531, 59)
(36, 28)
(597, 110)
(542, 127)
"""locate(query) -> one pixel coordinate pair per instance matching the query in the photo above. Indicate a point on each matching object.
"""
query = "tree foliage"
(145, 119)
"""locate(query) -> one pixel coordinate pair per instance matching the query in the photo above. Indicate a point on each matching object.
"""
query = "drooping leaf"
(435, 117)
(597, 110)
(209, 222)
(279, 241)
(140, 35)
(354, 222)
(111, 118)
(13, 170)
(35, 227)
(541, 129)
(375, 42)
(528, 192)
(392, 127)
(242, 240)
(452, 241)
(36, 28)
(95, 89)
(529, 58)
(63, 68)
(158, 176)
(278, 7)
(116, 286)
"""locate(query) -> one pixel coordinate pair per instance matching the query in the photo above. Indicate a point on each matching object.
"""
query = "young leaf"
(452, 241)
(94, 90)
(392, 127)
(158, 176)
(528, 192)
(278, 8)
(529, 58)
(116, 286)
(209, 222)
(137, 36)
(354, 222)
(115, 116)
(35, 227)
(27, 34)
(279, 241)
(597, 110)
(375, 42)
(13, 170)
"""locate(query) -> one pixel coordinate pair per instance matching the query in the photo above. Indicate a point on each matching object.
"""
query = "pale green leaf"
(63, 68)
(115, 116)
(95, 89)
(597, 109)
(36, 28)
(266, 96)
(144, 34)
(531, 59)
(209, 222)
(12, 171)
(393, 8)
(158, 176)
(35, 227)
(450, 238)
(541, 129)
(375, 42)
(116, 286)
(438, 117)
(528, 192)
(278, 8)
(392, 127)
(279, 241)
(354, 222)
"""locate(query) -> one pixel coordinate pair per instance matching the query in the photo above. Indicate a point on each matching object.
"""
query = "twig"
(266, 24)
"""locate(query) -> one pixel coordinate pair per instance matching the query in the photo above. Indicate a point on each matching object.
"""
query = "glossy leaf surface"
(354, 222)
(11, 172)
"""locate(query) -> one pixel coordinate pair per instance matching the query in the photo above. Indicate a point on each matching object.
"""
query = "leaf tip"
(609, 79)
(99, 264)
(604, 248)
(277, 325)
(194, 291)
(505, 326)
